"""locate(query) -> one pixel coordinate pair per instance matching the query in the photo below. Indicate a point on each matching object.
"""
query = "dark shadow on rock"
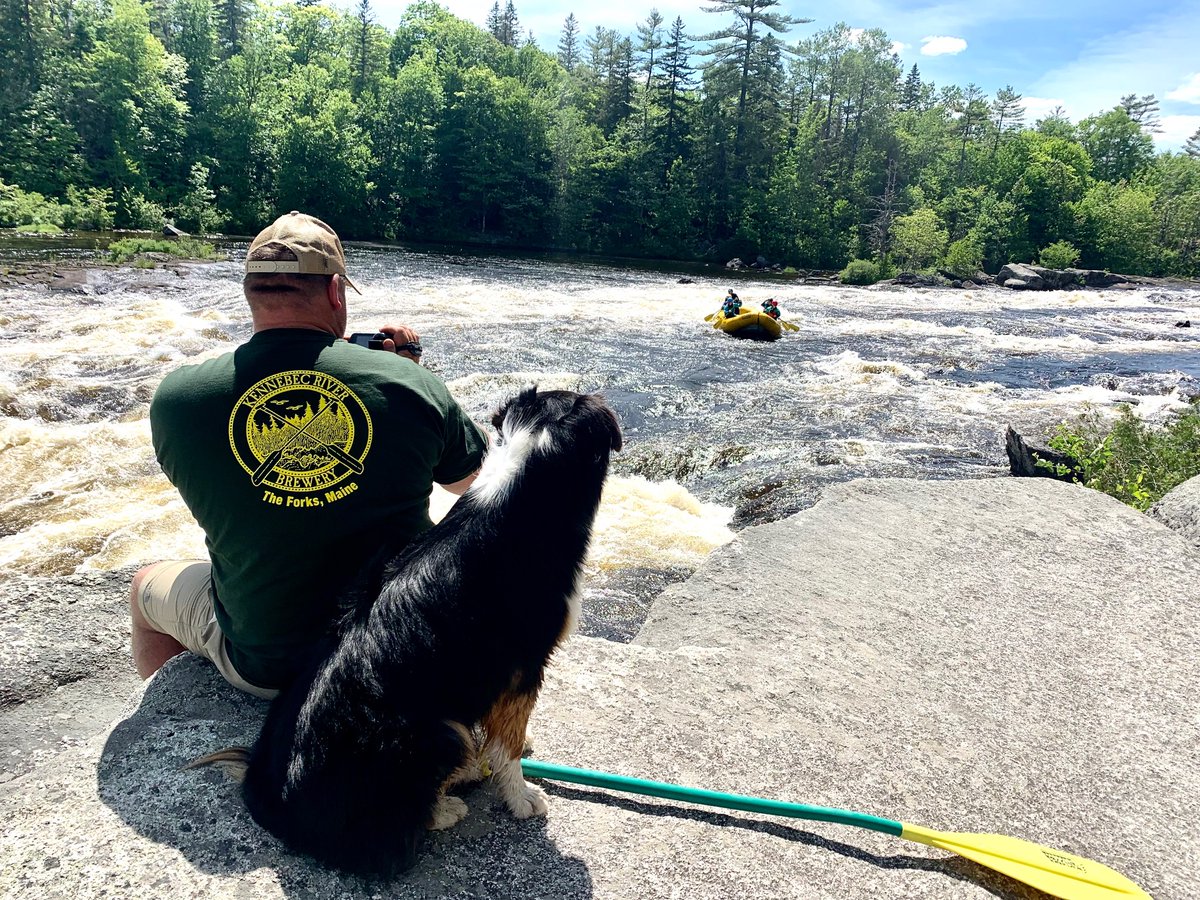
(188, 710)
(955, 867)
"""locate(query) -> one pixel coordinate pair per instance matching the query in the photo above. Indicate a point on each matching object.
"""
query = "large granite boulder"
(1023, 276)
(917, 650)
(1019, 277)
(58, 631)
(1179, 509)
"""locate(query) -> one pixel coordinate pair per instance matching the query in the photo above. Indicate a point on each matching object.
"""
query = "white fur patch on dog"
(524, 800)
(504, 463)
(448, 812)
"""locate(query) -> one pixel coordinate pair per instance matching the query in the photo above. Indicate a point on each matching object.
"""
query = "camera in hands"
(375, 342)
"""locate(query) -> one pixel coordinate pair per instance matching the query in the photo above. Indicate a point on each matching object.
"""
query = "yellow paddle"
(1053, 871)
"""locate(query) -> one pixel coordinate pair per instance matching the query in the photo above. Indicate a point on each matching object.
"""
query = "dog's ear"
(616, 439)
(527, 395)
(499, 414)
(597, 411)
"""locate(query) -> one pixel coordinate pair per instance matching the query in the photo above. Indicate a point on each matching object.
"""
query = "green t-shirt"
(299, 455)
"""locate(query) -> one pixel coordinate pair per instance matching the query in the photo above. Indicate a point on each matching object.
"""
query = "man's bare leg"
(151, 648)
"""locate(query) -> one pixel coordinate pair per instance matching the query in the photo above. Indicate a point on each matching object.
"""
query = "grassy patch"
(39, 228)
(186, 248)
(1130, 460)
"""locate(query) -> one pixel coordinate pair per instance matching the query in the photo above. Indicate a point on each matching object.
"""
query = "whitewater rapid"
(720, 433)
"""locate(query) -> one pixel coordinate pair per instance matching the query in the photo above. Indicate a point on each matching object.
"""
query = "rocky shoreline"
(998, 655)
(83, 275)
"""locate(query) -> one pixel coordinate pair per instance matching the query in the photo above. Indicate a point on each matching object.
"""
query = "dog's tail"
(233, 761)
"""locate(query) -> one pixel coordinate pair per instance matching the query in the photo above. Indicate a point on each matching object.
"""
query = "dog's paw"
(527, 801)
(475, 770)
(448, 812)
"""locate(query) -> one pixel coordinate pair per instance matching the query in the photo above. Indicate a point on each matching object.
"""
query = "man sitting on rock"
(298, 453)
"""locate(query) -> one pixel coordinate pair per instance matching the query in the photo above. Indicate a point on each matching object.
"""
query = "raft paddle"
(1053, 871)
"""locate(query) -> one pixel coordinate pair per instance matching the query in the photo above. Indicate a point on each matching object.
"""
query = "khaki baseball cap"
(316, 246)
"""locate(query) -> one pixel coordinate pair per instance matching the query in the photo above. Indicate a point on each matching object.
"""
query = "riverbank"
(72, 273)
(1000, 656)
(81, 275)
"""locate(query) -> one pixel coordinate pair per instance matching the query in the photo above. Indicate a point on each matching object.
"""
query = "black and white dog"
(451, 639)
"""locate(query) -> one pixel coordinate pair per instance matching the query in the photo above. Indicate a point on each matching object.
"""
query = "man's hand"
(402, 340)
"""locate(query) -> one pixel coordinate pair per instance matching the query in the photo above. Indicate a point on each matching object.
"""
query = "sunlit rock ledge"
(1006, 655)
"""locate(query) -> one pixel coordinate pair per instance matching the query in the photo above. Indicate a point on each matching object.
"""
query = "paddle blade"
(1056, 872)
(349, 461)
(710, 317)
(264, 469)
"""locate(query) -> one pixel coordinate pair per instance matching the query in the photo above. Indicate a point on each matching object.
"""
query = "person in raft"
(732, 305)
(771, 308)
(293, 453)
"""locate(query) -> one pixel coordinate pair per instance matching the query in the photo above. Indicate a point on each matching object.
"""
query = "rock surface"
(917, 650)
(1179, 509)
(1022, 276)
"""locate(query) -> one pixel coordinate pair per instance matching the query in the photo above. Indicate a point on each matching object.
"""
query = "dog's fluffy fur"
(447, 639)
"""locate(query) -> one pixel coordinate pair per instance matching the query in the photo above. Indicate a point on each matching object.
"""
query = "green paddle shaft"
(535, 769)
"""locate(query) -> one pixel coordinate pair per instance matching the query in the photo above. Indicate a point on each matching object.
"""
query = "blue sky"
(1082, 54)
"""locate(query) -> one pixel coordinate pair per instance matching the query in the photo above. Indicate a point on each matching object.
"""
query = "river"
(720, 433)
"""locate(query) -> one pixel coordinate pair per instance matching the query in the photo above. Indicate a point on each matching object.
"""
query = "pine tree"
(618, 84)
(1143, 111)
(232, 17)
(910, 94)
(972, 108)
(1008, 113)
(495, 21)
(510, 28)
(362, 45)
(734, 47)
(676, 83)
(650, 42)
(1192, 147)
(568, 44)
(600, 47)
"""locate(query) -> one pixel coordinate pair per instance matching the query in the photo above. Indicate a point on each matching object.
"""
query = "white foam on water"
(848, 371)
(642, 523)
(483, 392)
(77, 495)
(86, 496)
(656, 525)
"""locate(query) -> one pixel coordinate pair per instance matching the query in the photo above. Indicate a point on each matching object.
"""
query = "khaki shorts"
(176, 599)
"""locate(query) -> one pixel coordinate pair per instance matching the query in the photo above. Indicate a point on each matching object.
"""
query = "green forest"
(770, 136)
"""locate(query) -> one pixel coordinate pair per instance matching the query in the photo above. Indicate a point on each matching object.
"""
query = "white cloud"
(855, 34)
(1145, 58)
(937, 45)
(898, 47)
(1039, 107)
(1188, 92)
(1175, 131)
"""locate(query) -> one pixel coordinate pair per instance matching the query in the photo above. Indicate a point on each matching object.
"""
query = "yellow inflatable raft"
(755, 325)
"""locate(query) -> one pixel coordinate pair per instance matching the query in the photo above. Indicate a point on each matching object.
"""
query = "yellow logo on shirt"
(302, 434)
